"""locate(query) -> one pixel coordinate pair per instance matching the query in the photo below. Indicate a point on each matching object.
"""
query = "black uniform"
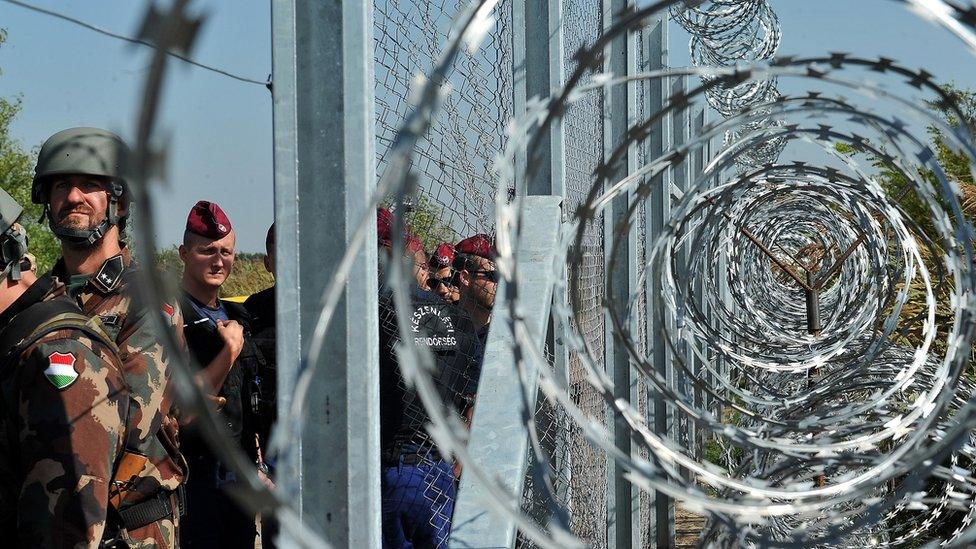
(212, 519)
(261, 308)
(418, 484)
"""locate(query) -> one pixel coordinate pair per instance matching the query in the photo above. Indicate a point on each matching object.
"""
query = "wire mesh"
(583, 21)
(454, 199)
(454, 160)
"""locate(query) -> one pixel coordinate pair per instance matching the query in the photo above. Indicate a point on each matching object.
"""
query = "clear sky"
(219, 129)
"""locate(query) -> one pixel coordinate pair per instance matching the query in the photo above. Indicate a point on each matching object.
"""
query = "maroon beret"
(443, 256)
(208, 220)
(478, 245)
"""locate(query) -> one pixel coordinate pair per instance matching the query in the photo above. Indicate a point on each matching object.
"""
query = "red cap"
(414, 244)
(443, 256)
(384, 227)
(384, 232)
(478, 245)
(208, 220)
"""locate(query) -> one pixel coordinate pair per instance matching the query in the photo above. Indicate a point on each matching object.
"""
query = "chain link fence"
(454, 160)
(456, 199)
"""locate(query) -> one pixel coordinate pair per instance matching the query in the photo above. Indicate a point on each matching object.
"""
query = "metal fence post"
(324, 179)
(619, 108)
(499, 439)
(633, 270)
(538, 64)
(681, 173)
(658, 212)
(538, 69)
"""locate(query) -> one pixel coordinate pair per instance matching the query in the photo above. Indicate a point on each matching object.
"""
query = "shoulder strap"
(74, 320)
(48, 316)
(26, 322)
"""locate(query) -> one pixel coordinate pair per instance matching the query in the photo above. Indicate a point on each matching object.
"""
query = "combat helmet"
(82, 151)
(13, 238)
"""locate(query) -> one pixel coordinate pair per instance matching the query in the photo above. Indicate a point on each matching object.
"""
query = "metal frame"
(323, 124)
(619, 109)
(658, 212)
(539, 72)
(499, 438)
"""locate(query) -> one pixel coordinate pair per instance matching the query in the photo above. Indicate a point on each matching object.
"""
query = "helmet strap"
(86, 238)
(89, 237)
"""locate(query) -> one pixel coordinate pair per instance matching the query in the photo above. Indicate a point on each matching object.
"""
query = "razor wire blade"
(828, 439)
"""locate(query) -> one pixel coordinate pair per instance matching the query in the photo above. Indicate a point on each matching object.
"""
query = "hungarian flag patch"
(169, 311)
(61, 369)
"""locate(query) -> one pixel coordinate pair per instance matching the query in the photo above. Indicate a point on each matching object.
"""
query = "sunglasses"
(435, 282)
(488, 275)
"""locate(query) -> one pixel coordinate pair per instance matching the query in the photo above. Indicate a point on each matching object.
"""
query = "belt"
(165, 504)
(412, 459)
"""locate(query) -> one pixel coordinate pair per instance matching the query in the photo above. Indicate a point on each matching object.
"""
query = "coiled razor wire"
(834, 430)
(727, 32)
(861, 435)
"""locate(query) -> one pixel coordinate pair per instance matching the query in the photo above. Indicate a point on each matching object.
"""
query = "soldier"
(217, 336)
(261, 307)
(413, 248)
(63, 408)
(80, 180)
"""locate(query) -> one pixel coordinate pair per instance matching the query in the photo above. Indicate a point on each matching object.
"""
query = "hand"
(233, 335)
(266, 480)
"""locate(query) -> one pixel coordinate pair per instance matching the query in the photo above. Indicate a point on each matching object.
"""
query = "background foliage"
(247, 277)
(16, 175)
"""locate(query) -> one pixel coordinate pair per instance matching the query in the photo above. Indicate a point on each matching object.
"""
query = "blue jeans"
(418, 501)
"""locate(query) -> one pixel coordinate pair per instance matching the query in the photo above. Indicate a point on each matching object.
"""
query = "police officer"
(216, 334)
(418, 483)
(477, 280)
(442, 279)
(63, 408)
(80, 180)
(261, 308)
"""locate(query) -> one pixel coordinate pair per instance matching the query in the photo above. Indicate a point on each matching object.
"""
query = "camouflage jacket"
(64, 407)
(111, 296)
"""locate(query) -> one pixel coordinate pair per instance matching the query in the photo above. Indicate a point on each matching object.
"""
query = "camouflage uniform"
(64, 405)
(152, 468)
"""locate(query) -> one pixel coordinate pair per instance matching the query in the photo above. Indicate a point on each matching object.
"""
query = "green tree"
(955, 165)
(425, 219)
(16, 175)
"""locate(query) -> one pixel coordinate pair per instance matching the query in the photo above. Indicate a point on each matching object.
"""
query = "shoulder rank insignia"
(110, 320)
(109, 274)
(61, 369)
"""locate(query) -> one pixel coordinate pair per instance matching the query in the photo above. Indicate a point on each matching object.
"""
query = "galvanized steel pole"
(324, 179)
(618, 109)
(499, 440)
